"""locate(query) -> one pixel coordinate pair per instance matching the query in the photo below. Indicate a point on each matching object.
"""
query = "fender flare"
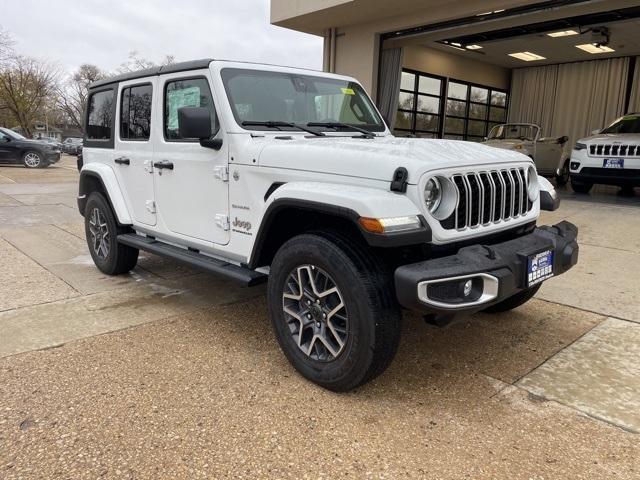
(107, 179)
(347, 203)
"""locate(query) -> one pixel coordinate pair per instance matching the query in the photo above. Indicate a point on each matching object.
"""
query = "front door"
(548, 153)
(192, 193)
(134, 148)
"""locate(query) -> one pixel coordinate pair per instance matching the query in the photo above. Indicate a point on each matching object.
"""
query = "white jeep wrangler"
(264, 173)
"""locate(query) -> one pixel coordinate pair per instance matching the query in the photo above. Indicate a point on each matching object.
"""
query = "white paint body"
(336, 169)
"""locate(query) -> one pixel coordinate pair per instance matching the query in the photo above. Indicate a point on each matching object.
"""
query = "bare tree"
(72, 96)
(6, 46)
(136, 62)
(26, 86)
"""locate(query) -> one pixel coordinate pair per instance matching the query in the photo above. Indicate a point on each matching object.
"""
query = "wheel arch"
(288, 217)
(102, 179)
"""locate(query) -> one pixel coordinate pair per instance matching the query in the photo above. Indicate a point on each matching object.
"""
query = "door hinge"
(222, 173)
(151, 206)
(222, 221)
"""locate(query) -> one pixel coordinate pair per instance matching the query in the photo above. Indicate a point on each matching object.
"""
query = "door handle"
(122, 161)
(164, 164)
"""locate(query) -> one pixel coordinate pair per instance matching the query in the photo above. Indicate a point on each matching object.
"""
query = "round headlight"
(533, 187)
(432, 194)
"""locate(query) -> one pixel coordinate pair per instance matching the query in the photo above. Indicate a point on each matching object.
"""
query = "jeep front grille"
(486, 198)
(603, 150)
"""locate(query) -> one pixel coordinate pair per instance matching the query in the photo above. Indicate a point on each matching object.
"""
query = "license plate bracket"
(539, 267)
(613, 163)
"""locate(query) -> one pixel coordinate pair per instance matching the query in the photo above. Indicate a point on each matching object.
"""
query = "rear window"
(100, 115)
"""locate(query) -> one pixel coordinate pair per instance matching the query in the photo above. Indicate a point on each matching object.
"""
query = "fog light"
(575, 165)
(468, 285)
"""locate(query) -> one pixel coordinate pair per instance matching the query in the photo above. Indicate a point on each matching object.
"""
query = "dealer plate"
(539, 267)
(613, 163)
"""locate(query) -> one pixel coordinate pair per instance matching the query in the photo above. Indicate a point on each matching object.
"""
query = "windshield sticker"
(185, 97)
(348, 91)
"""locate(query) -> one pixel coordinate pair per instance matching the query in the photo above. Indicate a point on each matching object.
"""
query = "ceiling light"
(473, 47)
(489, 13)
(527, 56)
(591, 48)
(565, 33)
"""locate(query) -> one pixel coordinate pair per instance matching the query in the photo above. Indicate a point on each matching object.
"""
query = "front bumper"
(52, 157)
(623, 177)
(497, 271)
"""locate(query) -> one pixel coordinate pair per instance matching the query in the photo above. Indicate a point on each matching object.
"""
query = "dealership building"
(453, 69)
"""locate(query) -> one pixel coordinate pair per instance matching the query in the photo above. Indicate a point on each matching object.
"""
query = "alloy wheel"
(32, 160)
(100, 236)
(315, 313)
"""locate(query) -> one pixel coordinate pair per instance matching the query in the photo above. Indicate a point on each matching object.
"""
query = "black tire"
(118, 258)
(33, 159)
(514, 301)
(366, 288)
(580, 187)
(563, 178)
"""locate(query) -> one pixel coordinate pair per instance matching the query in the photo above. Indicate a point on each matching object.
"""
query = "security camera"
(600, 36)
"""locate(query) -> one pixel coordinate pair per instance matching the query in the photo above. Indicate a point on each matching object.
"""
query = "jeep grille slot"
(486, 198)
(603, 150)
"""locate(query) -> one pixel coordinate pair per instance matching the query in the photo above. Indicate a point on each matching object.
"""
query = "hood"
(507, 143)
(378, 158)
(612, 137)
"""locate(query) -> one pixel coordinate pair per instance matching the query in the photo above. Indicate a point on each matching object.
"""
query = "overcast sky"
(73, 32)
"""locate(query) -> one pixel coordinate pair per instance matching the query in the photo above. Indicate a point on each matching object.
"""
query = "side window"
(100, 115)
(135, 112)
(188, 92)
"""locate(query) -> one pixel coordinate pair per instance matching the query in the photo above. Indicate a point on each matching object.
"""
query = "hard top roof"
(180, 67)
(173, 68)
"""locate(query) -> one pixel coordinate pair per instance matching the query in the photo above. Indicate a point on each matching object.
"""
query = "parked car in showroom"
(72, 146)
(609, 157)
(265, 173)
(550, 154)
(15, 148)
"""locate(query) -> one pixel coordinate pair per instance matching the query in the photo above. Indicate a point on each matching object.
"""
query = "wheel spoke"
(315, 312)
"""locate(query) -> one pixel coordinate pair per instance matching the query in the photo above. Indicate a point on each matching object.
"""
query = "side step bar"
(194, 259)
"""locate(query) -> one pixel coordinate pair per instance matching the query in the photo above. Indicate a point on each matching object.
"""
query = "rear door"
(193, 193)
(134, 148)
(7, 150)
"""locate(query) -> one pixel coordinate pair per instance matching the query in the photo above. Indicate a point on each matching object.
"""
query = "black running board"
(194, 259)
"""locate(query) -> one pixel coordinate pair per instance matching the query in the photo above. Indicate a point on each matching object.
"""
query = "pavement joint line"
(69, 232)
(587, 310)
(559, 351)
(171, 318)
(52, 273)
(10, 179)
(607, 247)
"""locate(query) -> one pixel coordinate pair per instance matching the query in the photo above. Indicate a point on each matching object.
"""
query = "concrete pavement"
(170, 373)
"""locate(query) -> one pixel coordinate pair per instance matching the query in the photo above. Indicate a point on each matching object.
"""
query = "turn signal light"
(389, 225)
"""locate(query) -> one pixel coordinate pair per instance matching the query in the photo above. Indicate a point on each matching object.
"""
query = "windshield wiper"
(278, 125)
(337, 125)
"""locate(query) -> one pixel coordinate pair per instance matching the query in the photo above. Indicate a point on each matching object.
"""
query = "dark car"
(72, 146)
(14, 148)
(80, 160)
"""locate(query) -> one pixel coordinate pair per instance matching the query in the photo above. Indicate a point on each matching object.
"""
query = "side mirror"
(195, 122)
(6, 139)
(595, 132)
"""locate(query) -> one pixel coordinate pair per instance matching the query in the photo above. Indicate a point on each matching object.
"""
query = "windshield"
(260, 96)
(12, 134)
(626, 124)
(513, 132)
